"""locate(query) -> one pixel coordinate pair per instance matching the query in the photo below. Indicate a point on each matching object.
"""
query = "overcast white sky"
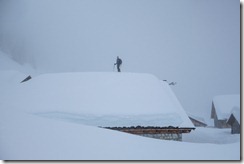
(195, 43)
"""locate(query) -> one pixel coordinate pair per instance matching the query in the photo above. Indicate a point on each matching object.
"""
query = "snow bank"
(28, 137)
(211, 135)
(224, 104)
(118, 98)
(10, 77)
(116, 120)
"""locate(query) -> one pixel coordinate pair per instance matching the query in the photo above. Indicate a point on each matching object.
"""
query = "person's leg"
(118, 68)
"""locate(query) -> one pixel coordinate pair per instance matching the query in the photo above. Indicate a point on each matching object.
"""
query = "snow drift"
(102, 99)
(26, 137)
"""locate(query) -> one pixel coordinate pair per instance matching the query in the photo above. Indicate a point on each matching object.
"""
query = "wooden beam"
(143, 130)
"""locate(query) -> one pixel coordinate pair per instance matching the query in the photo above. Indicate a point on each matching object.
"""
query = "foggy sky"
(195, 43)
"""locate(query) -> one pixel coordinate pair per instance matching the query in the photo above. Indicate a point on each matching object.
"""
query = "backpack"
(119, 61)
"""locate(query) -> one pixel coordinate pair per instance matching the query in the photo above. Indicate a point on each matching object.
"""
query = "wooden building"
(164, 133)
(134, 103)
(221, 109)
(234, 121)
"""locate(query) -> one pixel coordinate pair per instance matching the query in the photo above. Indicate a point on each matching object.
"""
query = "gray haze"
(195, 43)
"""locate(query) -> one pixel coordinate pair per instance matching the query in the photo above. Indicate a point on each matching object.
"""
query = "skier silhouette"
(118, 63)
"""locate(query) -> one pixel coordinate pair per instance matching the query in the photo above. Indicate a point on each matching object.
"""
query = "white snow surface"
(27, 137)
(224, 105)
(24, 135)
(211, 135)
(102, 99)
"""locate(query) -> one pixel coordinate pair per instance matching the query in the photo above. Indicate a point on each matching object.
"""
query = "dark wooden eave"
(151, 130)
(199, 122)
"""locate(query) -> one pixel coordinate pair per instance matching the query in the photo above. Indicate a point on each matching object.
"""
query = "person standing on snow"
(118, 63)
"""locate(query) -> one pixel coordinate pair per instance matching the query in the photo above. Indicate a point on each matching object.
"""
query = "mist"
(194, 43)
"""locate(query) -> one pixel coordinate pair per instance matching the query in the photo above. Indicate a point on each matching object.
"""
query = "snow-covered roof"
(200, 119)
(236, 113)
(224, 104)
(103, 99)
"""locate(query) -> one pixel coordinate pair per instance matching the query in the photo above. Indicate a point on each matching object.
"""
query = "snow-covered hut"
(221, 109)
(234, 121)
(129, 102)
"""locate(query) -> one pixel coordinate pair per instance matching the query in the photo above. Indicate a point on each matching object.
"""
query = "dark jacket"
(119, 61)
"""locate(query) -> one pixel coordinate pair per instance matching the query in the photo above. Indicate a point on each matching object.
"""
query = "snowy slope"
(7, 64)
(27, 137)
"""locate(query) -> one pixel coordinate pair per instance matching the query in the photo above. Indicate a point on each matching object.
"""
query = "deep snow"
(124, 99)
(27, 137)
(24, 135)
